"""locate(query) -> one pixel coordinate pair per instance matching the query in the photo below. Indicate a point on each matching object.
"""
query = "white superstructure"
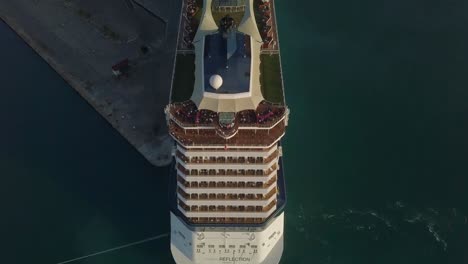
(226, 246)
(227, 189)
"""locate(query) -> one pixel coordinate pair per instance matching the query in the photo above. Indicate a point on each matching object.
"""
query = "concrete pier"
(82, 39)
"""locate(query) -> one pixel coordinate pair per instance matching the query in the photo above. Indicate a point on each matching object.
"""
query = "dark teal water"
(70, 184)
(375, 154)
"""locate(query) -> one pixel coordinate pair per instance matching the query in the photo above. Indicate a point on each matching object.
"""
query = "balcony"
(186, 115)
(224, 185)
(230, 149)
(226, 220)
(229, 208)
(227, 196)
(244, 137)
(227, 160)
(226, 172)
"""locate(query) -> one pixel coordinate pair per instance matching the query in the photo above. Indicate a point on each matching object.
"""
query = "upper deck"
(265, 18)
(235, 68)
(246, 56)
(187, 115)
(271, 80)
(192, 127)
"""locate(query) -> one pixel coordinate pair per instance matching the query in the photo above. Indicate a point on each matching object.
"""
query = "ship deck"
(270, 72)
(259, 128)
(265, 17)
(270, 67)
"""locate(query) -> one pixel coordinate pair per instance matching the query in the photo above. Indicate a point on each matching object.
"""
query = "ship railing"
(228, 160)
(229, 208)
(227, 173)
(264, 139)
(230, 197)
(212, 124)
(231, 149)
(226, 220)
(265, 175)
(223, 185)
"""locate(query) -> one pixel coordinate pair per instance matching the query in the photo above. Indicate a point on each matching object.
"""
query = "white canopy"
(248, 24)
(207, 23)
(227, 102)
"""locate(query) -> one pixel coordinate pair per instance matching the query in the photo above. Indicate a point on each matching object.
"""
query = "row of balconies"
(226, 172)
(230, 149)
(261, 138)
(229, 160)
(229, 208)
(227, 196)
(221, 184)
(227, 220)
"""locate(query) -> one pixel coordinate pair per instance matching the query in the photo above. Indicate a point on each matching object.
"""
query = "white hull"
(227, 246)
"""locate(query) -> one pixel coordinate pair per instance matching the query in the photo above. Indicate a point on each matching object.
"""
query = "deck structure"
(227, 116)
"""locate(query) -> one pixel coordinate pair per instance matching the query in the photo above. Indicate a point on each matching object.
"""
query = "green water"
(375, 154)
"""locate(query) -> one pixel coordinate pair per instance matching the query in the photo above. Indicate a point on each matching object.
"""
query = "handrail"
(232, 172)
(229, 208)
(228, 159)
(224, 185)
(172, 111)
(252, 138)
(226, 197)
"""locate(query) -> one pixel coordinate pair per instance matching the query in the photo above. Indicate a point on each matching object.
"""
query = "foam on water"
(377, 224)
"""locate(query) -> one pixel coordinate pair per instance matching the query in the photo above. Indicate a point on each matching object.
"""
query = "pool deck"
(82, 39)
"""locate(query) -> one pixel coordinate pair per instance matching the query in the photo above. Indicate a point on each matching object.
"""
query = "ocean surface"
(376, 154)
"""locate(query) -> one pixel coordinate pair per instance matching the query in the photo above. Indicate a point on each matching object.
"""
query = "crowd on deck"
(190, 23)
(265, 114)
(211, 137)
(187, 112)
(191, 7)
(227, 126)
(266, 25)
(247, 117)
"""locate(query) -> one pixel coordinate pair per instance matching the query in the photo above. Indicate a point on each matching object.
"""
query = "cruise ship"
(227, 115)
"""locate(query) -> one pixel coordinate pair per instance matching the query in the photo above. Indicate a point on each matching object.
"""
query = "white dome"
(216, 81)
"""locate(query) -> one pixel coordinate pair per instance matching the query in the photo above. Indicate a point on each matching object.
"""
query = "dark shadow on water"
(70, 184)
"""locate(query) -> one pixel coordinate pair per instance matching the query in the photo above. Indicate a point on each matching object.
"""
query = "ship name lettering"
(234, 259)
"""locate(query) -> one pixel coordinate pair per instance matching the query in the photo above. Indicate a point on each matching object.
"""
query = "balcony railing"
(226, 220)
(223, 185)
(227, 160)
(245, 137)
(187, 115)
(229, 208)
(231, 149)
(229, 172)
(222, 196)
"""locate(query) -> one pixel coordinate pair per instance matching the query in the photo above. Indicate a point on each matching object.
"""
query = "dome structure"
(216, 81)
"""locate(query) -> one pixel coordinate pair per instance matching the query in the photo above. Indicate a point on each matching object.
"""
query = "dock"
(82, 39)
